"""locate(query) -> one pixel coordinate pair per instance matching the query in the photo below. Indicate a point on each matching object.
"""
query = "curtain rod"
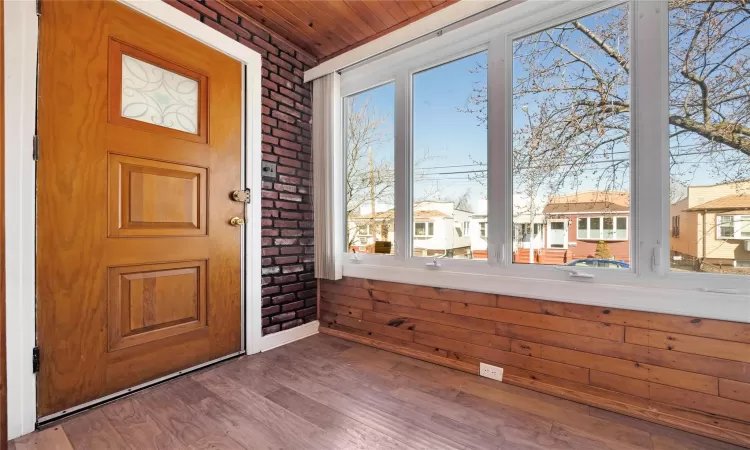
(433, 34)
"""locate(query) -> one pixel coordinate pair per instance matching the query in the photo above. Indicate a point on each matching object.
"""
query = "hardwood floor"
(326, 393)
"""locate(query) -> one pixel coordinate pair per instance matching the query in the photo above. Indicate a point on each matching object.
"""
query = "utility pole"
(372, 192)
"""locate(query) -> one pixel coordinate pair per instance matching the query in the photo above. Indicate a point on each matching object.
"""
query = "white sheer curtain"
(328, 164)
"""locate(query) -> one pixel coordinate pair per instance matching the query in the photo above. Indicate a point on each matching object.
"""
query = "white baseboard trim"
(288, 336)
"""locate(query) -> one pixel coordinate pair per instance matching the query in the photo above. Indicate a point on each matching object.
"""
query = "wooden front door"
(138, 267)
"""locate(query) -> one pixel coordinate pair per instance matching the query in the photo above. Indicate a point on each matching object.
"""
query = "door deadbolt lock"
(236, 222)
(242, 196)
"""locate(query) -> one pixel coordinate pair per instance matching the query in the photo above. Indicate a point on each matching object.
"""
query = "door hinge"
(38, 7)
(35, 148)
(35, 360)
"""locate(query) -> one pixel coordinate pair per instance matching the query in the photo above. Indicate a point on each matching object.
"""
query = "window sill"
(636, 296)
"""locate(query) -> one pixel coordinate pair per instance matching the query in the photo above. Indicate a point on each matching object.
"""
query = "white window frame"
(649, 285)
(429, 229)
(737, 222)
(601, 228)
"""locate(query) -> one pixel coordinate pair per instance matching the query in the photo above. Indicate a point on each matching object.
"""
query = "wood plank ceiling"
(326, 28)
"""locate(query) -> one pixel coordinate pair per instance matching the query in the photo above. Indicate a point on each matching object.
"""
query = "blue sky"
(446, 139)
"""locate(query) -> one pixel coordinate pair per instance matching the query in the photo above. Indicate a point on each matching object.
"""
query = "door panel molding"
(139, 302)
(21, 23)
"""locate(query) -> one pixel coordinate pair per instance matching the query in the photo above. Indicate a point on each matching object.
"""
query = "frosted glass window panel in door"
(157, 96)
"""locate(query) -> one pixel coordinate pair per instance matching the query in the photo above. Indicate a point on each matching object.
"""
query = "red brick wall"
(289, 286)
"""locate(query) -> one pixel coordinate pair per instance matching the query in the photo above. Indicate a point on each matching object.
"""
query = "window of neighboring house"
(449, 169)
(744, 226)
(595, 227)
(709, 44)
(726, 226)
(733, 227)
(607, 228)
(742, 264)
(364, 229)
(621, 233)
(608, 231)
(675, 226)
(483, 230)
(424, 229)
(571, 138)
(466, 228)
(583, 228)
(369, 158)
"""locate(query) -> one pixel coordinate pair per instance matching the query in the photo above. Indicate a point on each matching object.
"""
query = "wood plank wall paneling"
(685, 372)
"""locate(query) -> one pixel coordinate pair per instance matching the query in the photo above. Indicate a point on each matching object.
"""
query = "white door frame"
(549, 232)
(21, 39)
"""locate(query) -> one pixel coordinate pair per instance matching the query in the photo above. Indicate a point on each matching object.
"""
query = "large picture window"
(369, 178)
(449, 164)
(552, 133)
(709, 132)
(571, 129)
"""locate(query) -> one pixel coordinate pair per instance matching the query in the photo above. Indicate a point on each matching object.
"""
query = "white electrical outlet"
(489, 371)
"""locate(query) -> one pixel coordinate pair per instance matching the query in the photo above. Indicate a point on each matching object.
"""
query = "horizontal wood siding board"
(384, 329)
(470, 323)
(459, 334)
(683, 372)
(717, 329)
(341, 309)
(345, 300)
(701, 402)
(589, 360)
(395, 348)
(735, 351)
(564, 324)
(453, 295)
(344, 290)
(619, 383)
(622, 367)
(707, 365)
(735, 390)
(503, 358)
(411, 301)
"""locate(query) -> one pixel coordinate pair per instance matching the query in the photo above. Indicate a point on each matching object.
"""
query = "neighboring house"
(478, 231)
(578, 222)
(712, 225)
(439, 230)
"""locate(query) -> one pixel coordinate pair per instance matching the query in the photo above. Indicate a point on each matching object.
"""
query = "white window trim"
(601, 228)
(428, 225)
(736, 227)
(649, 285)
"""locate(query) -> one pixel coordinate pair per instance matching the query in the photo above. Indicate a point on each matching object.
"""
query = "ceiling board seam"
(274, 34)
(345, 29)
(306, 29)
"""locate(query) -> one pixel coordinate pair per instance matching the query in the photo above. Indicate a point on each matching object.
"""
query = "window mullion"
(650, 149)
(403, 222)
(499, 223)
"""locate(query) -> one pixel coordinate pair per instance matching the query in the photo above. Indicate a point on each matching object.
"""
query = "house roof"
(588, 202)
(584, 207)
(727, 202)
(616, 197)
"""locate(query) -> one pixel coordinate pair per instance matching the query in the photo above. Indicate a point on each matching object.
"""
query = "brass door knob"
(236, 222)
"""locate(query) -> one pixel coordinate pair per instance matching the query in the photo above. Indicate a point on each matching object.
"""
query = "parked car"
(606, 263)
